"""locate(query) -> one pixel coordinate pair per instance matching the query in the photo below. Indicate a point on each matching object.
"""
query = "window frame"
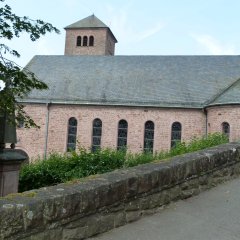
(174, 132)
(122, 138)
(85, 41)
(95, 147)
(72, 134)
(79, 41)
(147, 140)
(228, 129)
(91, 41)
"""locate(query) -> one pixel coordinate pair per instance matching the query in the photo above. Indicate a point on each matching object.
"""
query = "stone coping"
(86, 207)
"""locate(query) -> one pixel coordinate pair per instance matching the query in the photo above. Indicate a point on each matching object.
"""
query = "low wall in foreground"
(78, 210)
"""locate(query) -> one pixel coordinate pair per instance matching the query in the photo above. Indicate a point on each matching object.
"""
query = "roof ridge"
(215, 97)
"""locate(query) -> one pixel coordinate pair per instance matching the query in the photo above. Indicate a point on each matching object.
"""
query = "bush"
(61, 168)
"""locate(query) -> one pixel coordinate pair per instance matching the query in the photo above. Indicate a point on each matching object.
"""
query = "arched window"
(72, 134)
(97, 134)
(85, 41)
(226, 129)
(91, 41)
(176, 134)
(122, 134)
(148, 136)
(79, 41)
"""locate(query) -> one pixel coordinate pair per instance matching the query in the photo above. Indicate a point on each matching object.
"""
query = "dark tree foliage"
(19, 82)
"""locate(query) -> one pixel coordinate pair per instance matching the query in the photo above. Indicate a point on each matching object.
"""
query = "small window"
(91, 41)
(122, 135)
(97, 134)
(20, 123)
(176, 134)
(148, 137)
(79, 41)
(226, 129)
(85, 41)
(72, 134)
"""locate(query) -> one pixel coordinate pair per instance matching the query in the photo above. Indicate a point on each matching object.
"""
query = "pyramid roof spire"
(88, 22)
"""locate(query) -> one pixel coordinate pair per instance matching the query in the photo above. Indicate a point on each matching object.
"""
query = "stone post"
(10, 162)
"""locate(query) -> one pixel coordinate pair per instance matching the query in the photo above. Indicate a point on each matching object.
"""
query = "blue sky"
(154, 27)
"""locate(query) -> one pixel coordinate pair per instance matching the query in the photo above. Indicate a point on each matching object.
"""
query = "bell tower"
(89, 36)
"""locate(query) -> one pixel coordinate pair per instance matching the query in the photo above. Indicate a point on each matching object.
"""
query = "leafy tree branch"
(19, 82)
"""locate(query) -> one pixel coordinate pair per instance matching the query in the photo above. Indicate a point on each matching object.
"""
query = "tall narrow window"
(176, 134)
(148, 136)
(91, 41)
(79, 41)
(122, 135)
(72, 134)
(97, 134)
(226, 129)
(85, 41)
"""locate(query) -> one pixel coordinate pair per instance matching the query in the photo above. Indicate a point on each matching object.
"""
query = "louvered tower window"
(85, 41)
(79, 41)
(91, 41)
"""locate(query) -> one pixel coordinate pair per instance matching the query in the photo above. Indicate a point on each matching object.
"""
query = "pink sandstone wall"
(32, 140)
(103, 44)
(219, 114)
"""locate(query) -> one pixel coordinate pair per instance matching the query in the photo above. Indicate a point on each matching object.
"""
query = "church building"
(142, 103)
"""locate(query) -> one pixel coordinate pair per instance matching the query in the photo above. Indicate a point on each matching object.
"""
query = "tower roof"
(88, 22)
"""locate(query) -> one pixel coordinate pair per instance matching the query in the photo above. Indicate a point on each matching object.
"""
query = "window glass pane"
(91, 41)
(122, 134)
(149, 136)
(97, 131)
(97, 134)
(226, 129)
(85, 41)
(72, 134)
(79, 41)
(176, 134)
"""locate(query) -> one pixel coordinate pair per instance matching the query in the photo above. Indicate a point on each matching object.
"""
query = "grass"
(60, 168)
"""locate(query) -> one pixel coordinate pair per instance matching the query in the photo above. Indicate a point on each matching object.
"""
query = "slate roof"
(88, 22)
(156, 81)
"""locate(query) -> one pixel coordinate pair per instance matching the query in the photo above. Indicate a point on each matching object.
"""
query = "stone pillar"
(10, 162)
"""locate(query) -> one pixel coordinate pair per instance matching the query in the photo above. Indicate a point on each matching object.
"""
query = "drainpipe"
(46, 130)
(206, 121)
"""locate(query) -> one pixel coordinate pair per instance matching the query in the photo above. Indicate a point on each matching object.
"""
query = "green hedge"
(61, 168)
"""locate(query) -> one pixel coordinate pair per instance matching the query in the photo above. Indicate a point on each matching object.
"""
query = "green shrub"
(61, 168)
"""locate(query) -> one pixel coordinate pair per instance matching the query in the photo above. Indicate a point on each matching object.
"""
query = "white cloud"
(213, 46)
(125, 32)
(151, 31)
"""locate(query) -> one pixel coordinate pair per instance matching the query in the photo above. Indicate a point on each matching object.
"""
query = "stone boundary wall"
(81, 209)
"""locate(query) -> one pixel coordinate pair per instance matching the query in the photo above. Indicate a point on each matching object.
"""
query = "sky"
(153, 27)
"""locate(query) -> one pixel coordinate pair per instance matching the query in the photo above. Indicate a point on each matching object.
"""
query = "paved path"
(212, 215)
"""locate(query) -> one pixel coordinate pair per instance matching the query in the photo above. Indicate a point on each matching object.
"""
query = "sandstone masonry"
(99, 203)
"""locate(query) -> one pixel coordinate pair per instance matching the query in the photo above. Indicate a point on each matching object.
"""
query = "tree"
(19, 82)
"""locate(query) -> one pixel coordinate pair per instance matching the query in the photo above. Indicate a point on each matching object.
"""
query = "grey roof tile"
(88, 22)
(157, 81)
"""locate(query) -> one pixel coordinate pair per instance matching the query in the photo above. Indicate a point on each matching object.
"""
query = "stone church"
(142, 103)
